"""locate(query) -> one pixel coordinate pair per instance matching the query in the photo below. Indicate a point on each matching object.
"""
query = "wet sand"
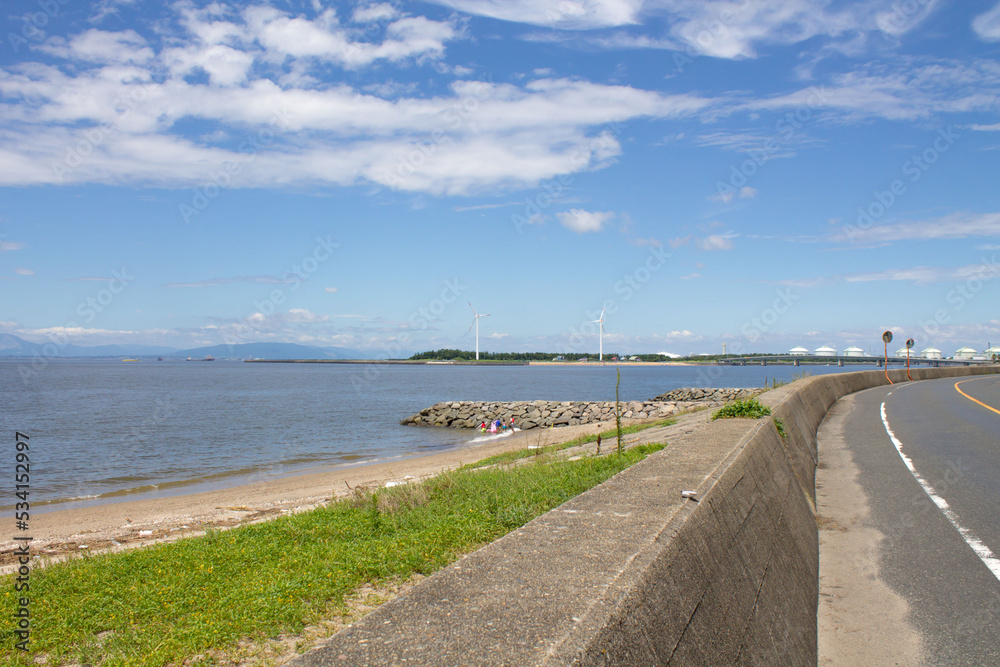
(121, 525)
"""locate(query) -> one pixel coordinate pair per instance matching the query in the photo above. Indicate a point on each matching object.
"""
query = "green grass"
(511, 457)
(749, 408)
(163, 604)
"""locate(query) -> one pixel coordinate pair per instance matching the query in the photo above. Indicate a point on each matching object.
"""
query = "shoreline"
(115, 526)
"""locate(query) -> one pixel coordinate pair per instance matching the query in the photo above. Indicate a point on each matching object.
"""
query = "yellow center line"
(974, 400)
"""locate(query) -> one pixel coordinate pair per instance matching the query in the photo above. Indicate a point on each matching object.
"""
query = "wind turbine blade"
(602, 315)
(474, 320)
(487, 315)
(473, 308)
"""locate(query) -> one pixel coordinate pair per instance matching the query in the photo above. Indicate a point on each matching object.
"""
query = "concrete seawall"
(632, 573)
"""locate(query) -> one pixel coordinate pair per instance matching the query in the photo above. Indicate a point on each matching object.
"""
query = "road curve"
(921, 535)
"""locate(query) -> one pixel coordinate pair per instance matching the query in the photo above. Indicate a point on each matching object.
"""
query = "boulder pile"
(544, 414)
(712, 395)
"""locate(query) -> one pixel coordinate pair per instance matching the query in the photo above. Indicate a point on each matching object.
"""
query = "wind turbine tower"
(601, 323)
(475, 321)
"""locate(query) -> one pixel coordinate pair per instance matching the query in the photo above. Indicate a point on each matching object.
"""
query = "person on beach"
(512, 424)
(493, 427)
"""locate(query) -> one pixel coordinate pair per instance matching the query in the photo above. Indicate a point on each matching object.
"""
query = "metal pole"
(887, 361)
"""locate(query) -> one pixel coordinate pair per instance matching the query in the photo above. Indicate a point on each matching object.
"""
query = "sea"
(112, 430)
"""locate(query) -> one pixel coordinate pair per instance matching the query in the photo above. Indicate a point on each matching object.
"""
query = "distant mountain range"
(12, 346)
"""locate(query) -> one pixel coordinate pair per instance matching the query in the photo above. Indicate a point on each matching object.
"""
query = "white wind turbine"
(475, 321)
(601, 322)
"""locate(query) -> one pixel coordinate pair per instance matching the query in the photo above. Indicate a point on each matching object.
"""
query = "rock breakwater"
(712, 395)
(544, 414)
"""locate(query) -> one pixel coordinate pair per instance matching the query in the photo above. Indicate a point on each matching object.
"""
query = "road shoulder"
(860, 619)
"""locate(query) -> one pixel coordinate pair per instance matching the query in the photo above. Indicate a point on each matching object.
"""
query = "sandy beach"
(127, 524)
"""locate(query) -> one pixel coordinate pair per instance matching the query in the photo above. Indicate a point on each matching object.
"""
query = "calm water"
(106, 430)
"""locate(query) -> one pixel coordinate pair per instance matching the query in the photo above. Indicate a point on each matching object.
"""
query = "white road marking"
(983, 551)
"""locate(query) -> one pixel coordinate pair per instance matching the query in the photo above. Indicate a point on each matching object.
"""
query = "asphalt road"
(928, 460)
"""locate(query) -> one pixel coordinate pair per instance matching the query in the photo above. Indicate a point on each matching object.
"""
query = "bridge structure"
(799, 359)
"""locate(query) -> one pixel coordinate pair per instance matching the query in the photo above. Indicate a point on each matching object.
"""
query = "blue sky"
(761, 173)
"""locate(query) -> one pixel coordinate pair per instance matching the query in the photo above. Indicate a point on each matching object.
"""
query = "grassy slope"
(163, 604)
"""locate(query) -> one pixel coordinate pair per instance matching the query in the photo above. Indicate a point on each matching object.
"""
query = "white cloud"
(303, 315)
(714, 242)
(6, 246)
(99, 46)
(225, 66)
(581, 221)
(900, 18)
(331, 290)
(215, 282)
(23, 272)
(372, 13)
(987, 25)
(726, 196)
(481, 135)
(563, 14)
(904, 89)
(985, 128)
(954, 226)
(324, 39)
(922, 275)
